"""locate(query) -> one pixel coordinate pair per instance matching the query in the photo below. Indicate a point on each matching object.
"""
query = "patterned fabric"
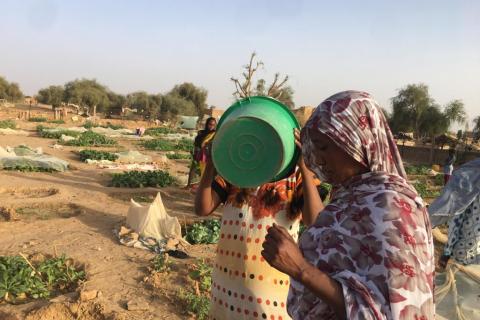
(374, 236)
(461, 190)
(464, 235)
(244, 285)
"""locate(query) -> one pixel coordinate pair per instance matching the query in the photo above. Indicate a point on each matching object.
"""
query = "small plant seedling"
(142, 179)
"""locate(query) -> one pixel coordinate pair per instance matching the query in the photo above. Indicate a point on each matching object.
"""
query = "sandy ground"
(85, 233)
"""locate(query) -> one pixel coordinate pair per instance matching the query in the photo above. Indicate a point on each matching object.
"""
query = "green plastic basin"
(254, 143)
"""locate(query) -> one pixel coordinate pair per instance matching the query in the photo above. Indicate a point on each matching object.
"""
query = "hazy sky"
(324, 46)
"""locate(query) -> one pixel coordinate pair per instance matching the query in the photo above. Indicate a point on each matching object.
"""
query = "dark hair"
(208, 120)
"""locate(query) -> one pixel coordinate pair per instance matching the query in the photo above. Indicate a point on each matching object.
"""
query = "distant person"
(244, 286)
(140, 131)
(459, 206)
(199, 149)
(448, 166)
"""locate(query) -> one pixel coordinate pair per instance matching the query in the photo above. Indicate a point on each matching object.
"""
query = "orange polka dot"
(251, 226)
(242, 296)
(243, 275)
(268, 303)
(235, 294)
(236, 273)
(259, 226)
(239, 310)
(239, 255)
(280, 318)
(267, 227)
(224, 222)
(223, 235)
(283, 305)
(231, 222)
(244, 224)
(237, 223)
(286, 282)
(247, 312)
(229, 236)
(241, 238)
(262, 259)
(250, 298)
(249, 239)
(260, 277)
(255, 314)
(275, 281)
(254, 257)
(259, 300)
(233, 254)
(257, 240)
(245, 257)
(272, 317)
(227, 252)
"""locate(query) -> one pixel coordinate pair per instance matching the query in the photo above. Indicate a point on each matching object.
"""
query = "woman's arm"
(206, 199)
(283, 254)
(312, 203)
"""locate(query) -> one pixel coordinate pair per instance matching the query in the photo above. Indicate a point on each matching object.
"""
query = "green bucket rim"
(296, 155)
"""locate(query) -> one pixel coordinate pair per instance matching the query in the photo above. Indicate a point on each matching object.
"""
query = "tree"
(173, 105)
(88, 94)
(190, 92)
(10, 90)
(432, 122)
(455, 112)
(52, 95)
(409, 105)
(278, 89)
(117, 102)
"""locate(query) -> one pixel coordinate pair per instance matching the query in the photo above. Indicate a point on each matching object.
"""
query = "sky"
(324, 46)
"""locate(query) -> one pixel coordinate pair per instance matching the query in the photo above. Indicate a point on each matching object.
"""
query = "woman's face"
(334, 163)
(211, 125)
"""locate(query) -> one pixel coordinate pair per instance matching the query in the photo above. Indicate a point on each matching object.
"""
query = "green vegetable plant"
(45, 133)
(57, 121)
(7, 124)
(97, 155)
(206, 232)
(159, 131)
(142, 179)
(179, 156)
(160, 263)
(168, 145)
(21, 281)
(91, 139)
(37, 119)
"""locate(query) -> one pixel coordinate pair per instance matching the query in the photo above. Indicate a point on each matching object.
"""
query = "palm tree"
(455, 112)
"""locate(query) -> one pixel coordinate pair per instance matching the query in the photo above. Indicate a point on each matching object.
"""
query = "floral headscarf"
(355, 122)
(374, 236)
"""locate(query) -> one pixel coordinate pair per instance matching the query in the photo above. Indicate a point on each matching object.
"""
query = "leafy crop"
(198, 305)
(202, 273)
(45, 133)
(89, 125)
(424, 191)
(159, 131)
(25, 167)
(92, 139)
(167, 145)
(57, 121)
(37, 119)
(160, 263)
(142, 179)
(7, 124)
(417, 170)
(97, 155)
(207, 231)
(19, 281)
(179, 156)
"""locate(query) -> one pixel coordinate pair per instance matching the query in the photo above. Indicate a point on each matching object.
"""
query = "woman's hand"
(300, 162)
(282, 253)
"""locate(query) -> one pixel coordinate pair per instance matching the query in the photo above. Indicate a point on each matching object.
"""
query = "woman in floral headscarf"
(369, 254)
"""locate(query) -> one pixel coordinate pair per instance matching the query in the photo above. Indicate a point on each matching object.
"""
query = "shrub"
(417, 170)
(142, 179)
(198, 305)
(44, 132)
(7, 124)
(57, 121)
(97, 155)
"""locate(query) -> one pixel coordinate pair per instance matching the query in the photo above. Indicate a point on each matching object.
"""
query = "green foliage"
(7, 124)
(87, 93)
(168, 145)
(45, 133)
(142, 179)
(160, 263)
(189, 92)
(9, 90)
(198, 305)
(202, 273)
(432, 122)
(97, 155)
(89, 125)
(424, 191)
(53, 95)
(174, 105)
(417, 170)
(158, 131)
(56, 121)
(91, 139)
(37, 119)
(438, 180)
(28, 168)
(179, 156)
(455, 112)
(207, 231)
(18, 281)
